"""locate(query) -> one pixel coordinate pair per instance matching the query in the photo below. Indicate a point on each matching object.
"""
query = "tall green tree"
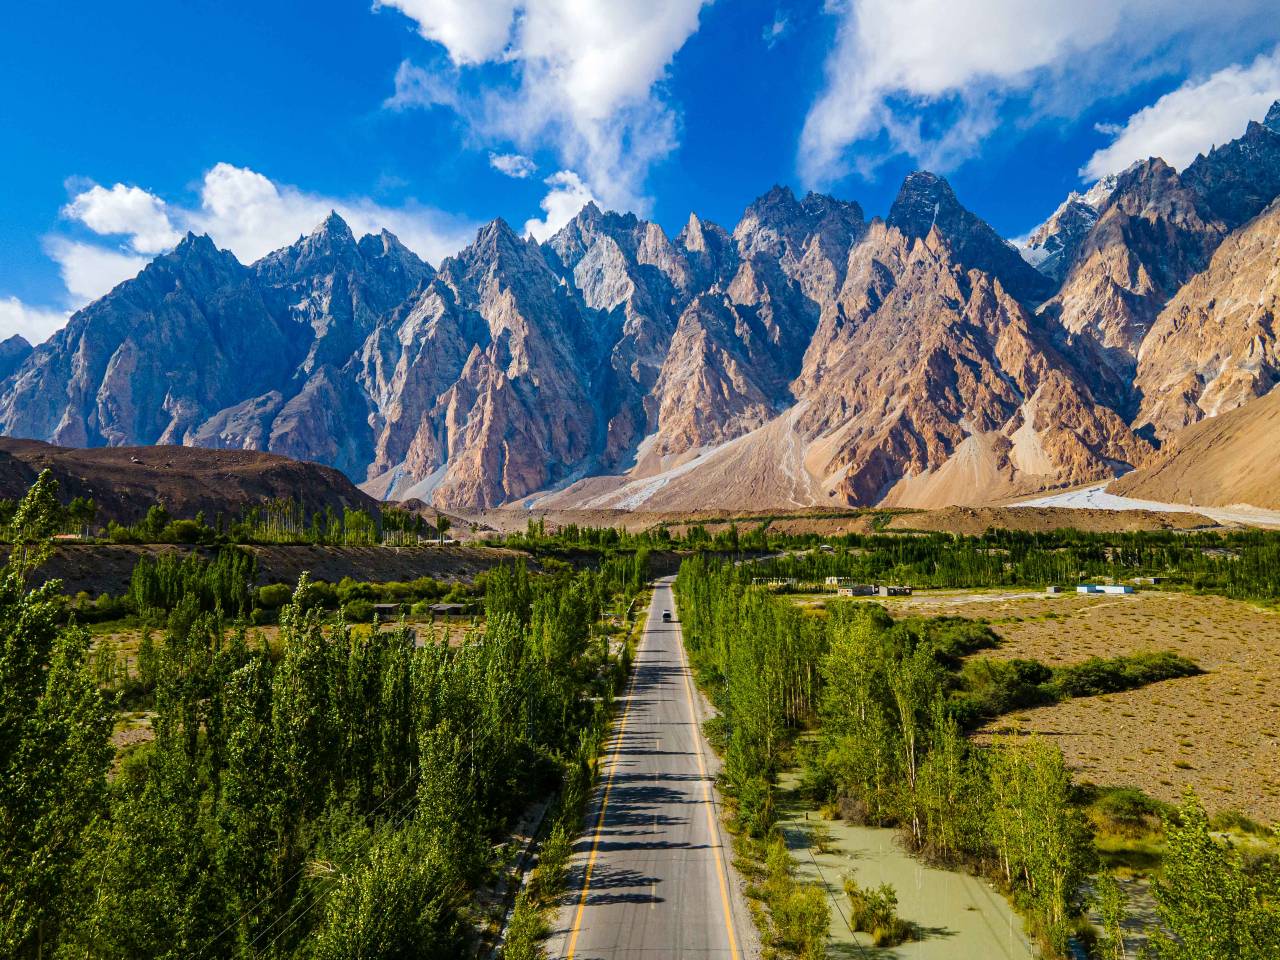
(54, 742)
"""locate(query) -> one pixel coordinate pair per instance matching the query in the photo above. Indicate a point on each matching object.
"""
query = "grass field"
(1218, 733)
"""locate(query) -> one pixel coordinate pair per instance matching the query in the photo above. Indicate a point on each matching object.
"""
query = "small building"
(386, 611)
(886, 590)
(1117, 588)
(1088, 588)
(838, 581)
(450, 609)
(1149, 581)
(773, 581)
(1053, 590)
(856, 590)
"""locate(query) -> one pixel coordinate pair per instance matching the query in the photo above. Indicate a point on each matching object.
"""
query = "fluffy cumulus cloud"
(585, 81)
(473, 31)
(513, 164)
(88, 269)
(1191, 119)
(125, 210)
(251, 215)
(568, 195)
(242, 210)
(33, 324)
(893, 57)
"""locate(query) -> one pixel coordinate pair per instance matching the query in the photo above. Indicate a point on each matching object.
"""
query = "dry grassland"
(1218, 734)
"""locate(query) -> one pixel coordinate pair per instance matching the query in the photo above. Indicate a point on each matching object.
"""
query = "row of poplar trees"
(336, 796)
(890, 753)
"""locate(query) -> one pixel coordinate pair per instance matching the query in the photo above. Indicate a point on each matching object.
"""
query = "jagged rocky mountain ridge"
(807, 356)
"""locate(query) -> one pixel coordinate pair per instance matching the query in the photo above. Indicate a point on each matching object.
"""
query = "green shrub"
(525, 931)
(988, 688)
(803, 920)
(553, 862)
(1097, 675)
(186, 531)
(875, 912)
(274, 595)
(358, 611)
(1235, 820)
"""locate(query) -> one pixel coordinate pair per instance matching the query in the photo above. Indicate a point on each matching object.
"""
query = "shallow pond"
(960, 917)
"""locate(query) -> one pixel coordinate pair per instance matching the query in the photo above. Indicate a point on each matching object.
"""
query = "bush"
(186, 531)
(319, 593)
(274, 595)
(1127, 812)
(525, 931)
(120, 534)
(349, 589)
(1097, 675)
(553, 864)
(358, 611)
(803, 921)
(876, 912)
(989, 688)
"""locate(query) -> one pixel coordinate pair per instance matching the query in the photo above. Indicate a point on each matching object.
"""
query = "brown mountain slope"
(1214, 347)
(1152, 234)
(1230, 459)
(126, 481)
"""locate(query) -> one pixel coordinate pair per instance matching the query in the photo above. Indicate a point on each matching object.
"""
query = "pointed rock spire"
(926, 202)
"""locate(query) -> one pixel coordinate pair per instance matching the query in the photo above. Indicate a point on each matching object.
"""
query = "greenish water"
(960, 916)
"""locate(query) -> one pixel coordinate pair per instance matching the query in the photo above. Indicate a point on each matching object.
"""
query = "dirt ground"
(1218, 734)
(106, 568)
(977, 520)
(965, 520)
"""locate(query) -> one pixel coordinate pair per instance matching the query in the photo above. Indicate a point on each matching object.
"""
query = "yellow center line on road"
(710, 807)
(604, 807)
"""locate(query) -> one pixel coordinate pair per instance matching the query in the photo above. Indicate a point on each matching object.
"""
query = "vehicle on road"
(666, 616)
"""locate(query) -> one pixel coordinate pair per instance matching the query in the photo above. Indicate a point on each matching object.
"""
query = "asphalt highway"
(651, 875)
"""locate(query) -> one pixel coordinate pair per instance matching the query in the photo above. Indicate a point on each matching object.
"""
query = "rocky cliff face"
(806, 356)
(927, 377)
(1214, 347)
(1052, 247)
(13, 350)
(1151, 236)
(1155, 230)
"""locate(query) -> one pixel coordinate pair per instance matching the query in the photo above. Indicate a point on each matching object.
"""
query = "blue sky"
(124, 125)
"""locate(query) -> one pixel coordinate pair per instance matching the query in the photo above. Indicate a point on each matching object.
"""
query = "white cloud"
(36, 324)
(473, 31)
(416, 87)
(567, 196)
(586, 80)
(515, 165)
(125, 210)
(892, 57)
(89, 270)
(243, 211)
(1193, 118)
(251, 215)
(776, 30)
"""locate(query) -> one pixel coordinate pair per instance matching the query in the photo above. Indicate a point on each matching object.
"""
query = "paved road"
(651, 876)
